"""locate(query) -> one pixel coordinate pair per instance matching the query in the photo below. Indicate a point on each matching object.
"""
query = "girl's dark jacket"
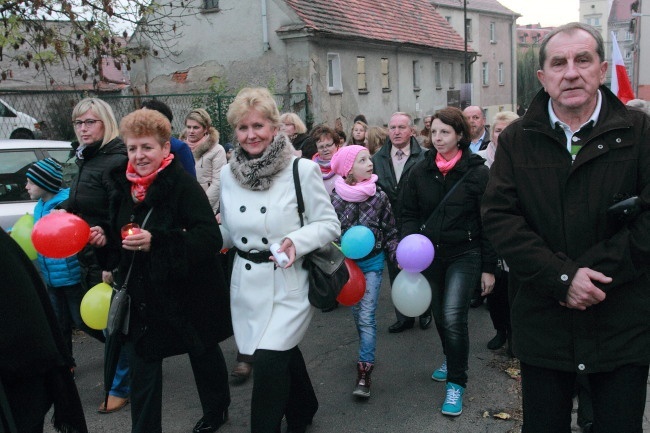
(179, 299)
(547, 217)
(457, 227)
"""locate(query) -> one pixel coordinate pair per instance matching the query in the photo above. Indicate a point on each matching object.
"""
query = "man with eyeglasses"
(392, 163)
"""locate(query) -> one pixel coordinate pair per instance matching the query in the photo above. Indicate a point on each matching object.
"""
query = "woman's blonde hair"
(295, 120)
(258, 98)
(102, 110)
(375, 138)
(144, 123)
(505, 116)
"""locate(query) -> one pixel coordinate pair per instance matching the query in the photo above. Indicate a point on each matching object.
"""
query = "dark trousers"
(498, 303)
(618, 399)
(452, 281)
(393, 270)
(210, 375)
(281, 386)
(66, 302)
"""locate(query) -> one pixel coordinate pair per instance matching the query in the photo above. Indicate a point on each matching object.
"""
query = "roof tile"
(408, 22)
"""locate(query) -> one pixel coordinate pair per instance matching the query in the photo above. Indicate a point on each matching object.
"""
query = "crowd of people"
(518, 214)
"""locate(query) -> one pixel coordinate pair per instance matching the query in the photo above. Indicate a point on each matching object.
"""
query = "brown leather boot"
(364, 369)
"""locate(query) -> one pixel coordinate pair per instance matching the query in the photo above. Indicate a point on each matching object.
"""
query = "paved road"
(404, 398)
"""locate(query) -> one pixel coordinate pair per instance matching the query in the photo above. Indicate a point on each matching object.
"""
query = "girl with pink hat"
(358, 201)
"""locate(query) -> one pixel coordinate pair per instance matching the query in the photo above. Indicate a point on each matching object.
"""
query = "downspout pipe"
(265, 27)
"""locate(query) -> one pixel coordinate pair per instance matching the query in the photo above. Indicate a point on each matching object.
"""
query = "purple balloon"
(415, 253)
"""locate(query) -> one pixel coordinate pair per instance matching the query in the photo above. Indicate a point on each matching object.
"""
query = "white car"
(15, 124)
(16, 156)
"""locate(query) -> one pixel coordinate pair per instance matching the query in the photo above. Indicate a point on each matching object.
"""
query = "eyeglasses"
(325, 146)
(88, 122)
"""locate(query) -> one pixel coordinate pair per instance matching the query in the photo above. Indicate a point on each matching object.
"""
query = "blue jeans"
(364, 317)
(66, 302)
(452, 281)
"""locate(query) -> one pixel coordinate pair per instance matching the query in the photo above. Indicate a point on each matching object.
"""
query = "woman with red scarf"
(453, 224)
(327, 143)
(179, 302)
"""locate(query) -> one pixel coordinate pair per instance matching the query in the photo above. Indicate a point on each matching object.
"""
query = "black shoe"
(400, 326)
(425, 322)
(498, 341)
(476, 302)
(204, 426)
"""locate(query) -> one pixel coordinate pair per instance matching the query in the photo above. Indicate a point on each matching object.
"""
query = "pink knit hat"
(343, 159)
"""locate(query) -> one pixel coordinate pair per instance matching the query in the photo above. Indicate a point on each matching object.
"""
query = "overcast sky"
(546, 12)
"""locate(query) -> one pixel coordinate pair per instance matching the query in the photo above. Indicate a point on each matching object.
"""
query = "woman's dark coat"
(457, 227)
(90, 192)
(179, 300)
(547, 217)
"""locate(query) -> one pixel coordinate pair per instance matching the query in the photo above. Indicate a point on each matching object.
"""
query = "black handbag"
(325, 266)
(119, 311)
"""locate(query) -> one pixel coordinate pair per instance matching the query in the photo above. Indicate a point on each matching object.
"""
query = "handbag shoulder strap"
(445, 198)
(128, 274)
(296, 183)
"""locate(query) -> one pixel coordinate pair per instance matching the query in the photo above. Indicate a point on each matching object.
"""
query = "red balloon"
(60, 234)
(353, 290)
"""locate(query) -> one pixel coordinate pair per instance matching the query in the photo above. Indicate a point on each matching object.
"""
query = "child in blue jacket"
(62, 276)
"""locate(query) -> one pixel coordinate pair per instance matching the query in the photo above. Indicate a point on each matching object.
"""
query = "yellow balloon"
(95, 304)
(22, 234)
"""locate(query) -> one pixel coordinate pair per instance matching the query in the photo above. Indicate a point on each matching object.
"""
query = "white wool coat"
(269, 305)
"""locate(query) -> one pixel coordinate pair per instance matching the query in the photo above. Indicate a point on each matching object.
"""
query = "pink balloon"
(60, 234)
(415, 253)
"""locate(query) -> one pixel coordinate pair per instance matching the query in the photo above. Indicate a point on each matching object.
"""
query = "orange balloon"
(354, 289)
(60, 234)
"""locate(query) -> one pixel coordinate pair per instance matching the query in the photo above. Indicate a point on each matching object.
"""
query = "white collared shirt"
(570, 135)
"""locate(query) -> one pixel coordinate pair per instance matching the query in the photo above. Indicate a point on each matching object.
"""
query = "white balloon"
(411, 293)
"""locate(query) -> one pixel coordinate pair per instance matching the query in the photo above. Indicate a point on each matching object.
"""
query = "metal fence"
(54, 108)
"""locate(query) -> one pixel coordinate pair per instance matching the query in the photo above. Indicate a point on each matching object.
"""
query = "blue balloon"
(357, 242)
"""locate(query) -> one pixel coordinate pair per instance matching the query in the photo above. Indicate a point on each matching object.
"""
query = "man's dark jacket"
(546, 216)
(383, 168)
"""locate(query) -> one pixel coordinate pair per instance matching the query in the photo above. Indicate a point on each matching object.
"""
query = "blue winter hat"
(46, 173)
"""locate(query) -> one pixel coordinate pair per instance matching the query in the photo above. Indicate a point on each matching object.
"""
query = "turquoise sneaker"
(453, 404)
(441, 373)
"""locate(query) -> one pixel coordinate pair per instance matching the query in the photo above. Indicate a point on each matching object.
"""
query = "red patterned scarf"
(139, 184)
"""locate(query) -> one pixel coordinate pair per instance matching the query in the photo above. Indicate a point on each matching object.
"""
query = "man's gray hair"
(401, 113)
(570, 28)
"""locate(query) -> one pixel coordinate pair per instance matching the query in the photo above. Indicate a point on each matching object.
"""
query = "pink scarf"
(445, 166)
(198, 143)
(360, 191)
(139, 184)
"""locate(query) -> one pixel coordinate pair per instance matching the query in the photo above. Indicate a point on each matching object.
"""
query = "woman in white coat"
(270, 309)
(209, 155)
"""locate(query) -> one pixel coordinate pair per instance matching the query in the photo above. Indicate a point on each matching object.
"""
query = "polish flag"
(620, 85)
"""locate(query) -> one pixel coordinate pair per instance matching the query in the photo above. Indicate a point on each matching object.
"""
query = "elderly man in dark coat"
(580, 277)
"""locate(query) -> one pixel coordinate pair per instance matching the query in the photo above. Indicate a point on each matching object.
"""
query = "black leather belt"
(255, 257)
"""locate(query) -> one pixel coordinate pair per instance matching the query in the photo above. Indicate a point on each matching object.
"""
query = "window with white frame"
(628, 35)
(334, 73)
(437, 75)
(485, 74)
(362, 84)
(416, 75)
(468, 28)
(501, 74)
(493, 32)
(385, 74)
